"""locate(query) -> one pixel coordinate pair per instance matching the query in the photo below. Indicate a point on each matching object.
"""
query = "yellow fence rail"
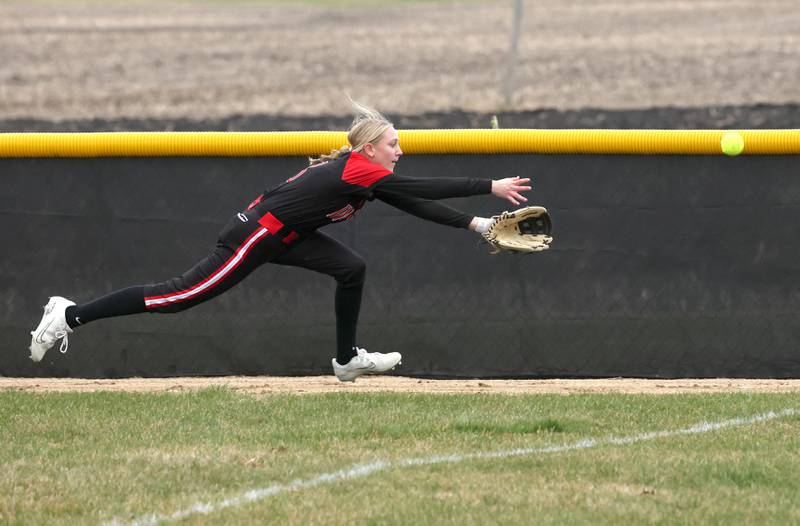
(283, 144)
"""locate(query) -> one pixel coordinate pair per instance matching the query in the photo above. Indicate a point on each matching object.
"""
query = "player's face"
(387, 150)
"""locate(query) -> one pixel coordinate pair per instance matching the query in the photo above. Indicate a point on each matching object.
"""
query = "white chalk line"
(363, 470)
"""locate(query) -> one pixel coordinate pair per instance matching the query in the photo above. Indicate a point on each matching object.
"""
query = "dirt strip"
(399, 384)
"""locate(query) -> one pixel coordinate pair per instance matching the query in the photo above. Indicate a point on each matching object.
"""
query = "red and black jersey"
(335, 190)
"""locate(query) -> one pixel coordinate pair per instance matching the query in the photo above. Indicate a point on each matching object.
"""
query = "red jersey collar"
(361, 156)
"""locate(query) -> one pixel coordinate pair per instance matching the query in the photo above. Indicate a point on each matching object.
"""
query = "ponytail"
(368, 126)
(335, 154)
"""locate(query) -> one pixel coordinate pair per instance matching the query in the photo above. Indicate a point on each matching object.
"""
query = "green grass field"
(192, 458)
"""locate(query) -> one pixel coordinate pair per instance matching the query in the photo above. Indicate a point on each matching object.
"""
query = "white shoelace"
(64, 343)
(367, 356)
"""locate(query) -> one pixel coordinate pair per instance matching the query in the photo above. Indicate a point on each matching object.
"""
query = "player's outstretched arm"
(434, 187)
(404, 193)
(426, 209)
(445, 187)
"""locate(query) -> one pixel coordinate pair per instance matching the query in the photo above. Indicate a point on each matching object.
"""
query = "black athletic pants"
(244, 244)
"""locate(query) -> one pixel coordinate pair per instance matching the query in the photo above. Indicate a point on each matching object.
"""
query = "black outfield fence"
(662, 266)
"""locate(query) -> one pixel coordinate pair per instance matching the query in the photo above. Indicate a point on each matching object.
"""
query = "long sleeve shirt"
(335, 190)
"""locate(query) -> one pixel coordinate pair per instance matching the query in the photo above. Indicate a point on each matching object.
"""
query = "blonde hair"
(368, 126)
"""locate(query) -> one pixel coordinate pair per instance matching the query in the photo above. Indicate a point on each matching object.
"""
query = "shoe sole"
(361, 372)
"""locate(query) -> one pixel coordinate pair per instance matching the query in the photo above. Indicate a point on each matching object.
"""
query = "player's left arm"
(425, 209)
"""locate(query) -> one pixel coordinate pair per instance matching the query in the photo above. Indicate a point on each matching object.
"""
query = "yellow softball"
(732, 144)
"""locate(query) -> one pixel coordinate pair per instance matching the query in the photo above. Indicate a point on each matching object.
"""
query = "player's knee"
(354, 273)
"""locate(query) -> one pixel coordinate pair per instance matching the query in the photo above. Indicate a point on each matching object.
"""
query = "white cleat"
(365, 363)
(52, 328)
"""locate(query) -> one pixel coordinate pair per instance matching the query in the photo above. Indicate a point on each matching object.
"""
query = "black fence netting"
(662, 266)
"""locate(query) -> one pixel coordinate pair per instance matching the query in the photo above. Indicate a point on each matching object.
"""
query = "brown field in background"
(68, 60)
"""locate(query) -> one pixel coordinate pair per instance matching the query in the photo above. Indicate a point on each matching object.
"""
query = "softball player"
(281, 226)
